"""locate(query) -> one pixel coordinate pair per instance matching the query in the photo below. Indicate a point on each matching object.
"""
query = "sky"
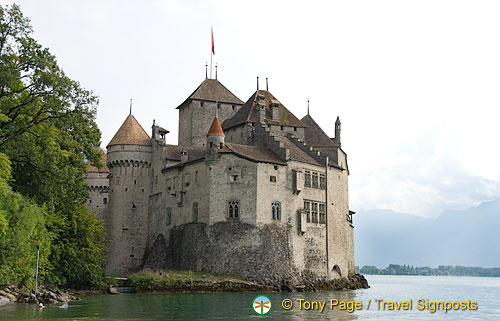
(415, 83)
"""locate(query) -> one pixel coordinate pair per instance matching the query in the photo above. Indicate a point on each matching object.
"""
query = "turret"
(129, 161)
(336, 140)
(215, 136)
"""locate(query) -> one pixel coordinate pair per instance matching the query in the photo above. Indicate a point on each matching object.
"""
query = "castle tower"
(337, 131)
(211, 98)
(129, 161)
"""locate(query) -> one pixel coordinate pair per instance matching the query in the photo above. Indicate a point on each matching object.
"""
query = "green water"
(238, 306)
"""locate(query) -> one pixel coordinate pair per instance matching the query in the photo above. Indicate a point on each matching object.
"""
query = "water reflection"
(238, 306)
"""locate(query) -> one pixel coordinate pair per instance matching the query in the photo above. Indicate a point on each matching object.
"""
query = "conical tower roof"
(130, 133)
(215, 128)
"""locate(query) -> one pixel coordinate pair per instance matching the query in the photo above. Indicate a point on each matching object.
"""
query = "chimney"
(261, 108)
(184, 157)
(275, 109)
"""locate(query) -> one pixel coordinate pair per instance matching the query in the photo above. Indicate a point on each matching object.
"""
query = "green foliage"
(23, 228)
(47, 129)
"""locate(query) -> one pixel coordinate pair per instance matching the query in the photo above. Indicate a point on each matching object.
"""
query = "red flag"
(213, 45)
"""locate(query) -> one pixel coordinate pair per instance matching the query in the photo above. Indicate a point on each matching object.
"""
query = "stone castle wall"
(195, 118)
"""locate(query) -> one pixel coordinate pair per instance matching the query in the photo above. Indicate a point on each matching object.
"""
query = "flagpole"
(211, 50)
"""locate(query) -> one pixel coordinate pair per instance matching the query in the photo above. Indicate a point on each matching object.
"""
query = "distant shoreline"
(442, 270)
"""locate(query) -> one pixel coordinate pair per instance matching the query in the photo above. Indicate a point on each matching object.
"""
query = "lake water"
(238, 306)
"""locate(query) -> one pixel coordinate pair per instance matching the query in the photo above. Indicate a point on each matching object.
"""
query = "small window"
(135, 182)
(90, 201)
(322, 213)
(234, 178)
(272, 179)
(195, 212)
(314, 212)
(234, 209)
(133, 205)
(307, 209)
(233, 107)
(314, 180)
(221, 145)
(211, 144)
(275, 167)
(201, 104)
(123, 146)
(281, 127)
(105, 200)
(295, 129)
(276, 210)
(307, 178)
(322, 181)
(168, 219)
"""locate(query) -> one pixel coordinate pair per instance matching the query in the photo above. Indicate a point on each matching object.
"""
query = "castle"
(250, 190)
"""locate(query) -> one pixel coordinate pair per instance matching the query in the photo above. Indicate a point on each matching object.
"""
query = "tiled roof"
(254, 153)
(194, 152)
(93, 169)
(215, 128)
(213, 90)
(296, 153)
(130, 133)
(314, 135)
(248, 114)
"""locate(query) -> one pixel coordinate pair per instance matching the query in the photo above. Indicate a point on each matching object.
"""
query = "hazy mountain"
(470, 238)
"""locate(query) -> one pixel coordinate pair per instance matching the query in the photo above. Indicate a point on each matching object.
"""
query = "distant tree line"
(442, 270)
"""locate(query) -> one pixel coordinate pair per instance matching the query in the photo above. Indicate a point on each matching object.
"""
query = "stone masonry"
(250, 190)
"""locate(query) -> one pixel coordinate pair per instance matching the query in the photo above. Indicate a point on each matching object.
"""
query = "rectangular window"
(314, 212)
(314, 180)
(322, 181)
(322, 213)
(307, 208)
(272, 179)
(307, 178)
(105, 200)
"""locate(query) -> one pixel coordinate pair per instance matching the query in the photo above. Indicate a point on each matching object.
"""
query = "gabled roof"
(253, 153)
(248, 114)
(215, 128)
(314, 136)
(130, 133)
(213, 90)
(93, 169)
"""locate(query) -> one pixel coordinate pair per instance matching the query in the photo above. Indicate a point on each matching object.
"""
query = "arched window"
(168, 219)
(276, 210)
(234, 209)
(195, 212)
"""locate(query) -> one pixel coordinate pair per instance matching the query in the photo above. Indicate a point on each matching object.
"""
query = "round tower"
(129, 162)
(215, 136)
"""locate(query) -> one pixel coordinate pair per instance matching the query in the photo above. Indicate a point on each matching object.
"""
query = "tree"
(47, 130)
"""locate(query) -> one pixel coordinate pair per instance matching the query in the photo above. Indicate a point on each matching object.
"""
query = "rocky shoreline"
(204, 285)
(11, 293)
